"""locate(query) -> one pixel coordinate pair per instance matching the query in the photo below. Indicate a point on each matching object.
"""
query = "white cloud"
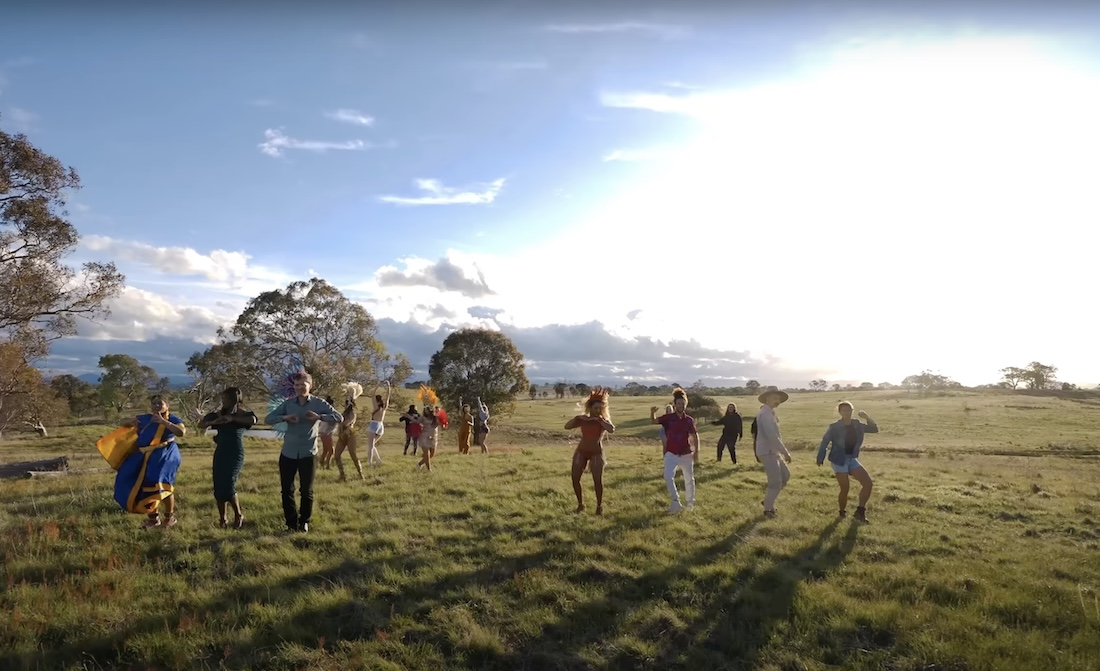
(437, 194)
(661, 30)
(143, 315)
(226, 269)
(354, 117)
(276, 143)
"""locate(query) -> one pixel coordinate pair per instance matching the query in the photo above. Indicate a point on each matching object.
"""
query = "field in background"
(981, 554)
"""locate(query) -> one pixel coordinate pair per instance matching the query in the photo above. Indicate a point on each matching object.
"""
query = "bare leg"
(169, 511)
(425, 457)
(598, 463)
(842, 497)
(341, 445)
(372, 439)
(352, 444)
(239, 521)
(578, 469)
(864, 479)
(326, 450)
(223, 520)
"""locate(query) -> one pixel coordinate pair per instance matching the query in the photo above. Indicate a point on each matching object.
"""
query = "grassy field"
(982, 554)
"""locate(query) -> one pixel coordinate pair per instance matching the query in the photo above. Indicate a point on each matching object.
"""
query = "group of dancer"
(680, 444)
(145, 480)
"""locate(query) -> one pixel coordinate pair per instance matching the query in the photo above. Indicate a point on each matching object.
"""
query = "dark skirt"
(228, 461)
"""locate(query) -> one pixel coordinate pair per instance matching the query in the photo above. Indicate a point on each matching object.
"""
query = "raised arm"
(389, 393)
(653, 415)
(575, 422)
(870, 427)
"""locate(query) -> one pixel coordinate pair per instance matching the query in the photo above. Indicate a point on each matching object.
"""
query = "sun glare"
(913, 182)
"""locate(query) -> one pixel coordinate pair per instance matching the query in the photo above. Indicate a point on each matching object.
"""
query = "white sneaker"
(675, 507)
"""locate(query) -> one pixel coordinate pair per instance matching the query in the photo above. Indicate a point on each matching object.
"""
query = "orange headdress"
(430, 399)
(599, 395)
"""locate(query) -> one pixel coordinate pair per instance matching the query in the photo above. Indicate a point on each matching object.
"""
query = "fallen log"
(58, 474)
(20, 470)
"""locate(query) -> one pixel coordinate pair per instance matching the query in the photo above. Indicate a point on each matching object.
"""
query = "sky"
(657, 192)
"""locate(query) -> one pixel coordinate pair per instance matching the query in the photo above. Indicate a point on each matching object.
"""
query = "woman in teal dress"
(231, 421)
(148, 476)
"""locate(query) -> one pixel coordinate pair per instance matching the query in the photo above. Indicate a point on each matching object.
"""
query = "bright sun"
(926, 187)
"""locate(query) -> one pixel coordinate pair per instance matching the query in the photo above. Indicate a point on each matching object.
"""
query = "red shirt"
(677, 430)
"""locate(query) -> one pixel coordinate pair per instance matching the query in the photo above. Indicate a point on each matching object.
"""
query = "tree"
(927, 381)
(582, 389)
(18, 378)
(1040, 376)
(752, 386)
(479, 363)
(534, 391)
(41, 293)
(559, 389)
(867, 385)
(819, 385)
(1013, 376)
(309, 324)
(78, 394)
(124, 381)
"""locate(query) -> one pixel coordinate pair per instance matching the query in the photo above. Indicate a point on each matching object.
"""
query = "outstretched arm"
(653, 415)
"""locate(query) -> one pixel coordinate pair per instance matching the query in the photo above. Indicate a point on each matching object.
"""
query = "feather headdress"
(352, 389)
(599, 395)
(427, 396)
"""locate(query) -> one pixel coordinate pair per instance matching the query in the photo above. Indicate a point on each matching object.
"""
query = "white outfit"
(772, 453)
(686, 464)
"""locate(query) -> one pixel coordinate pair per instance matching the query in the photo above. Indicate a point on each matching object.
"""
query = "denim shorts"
(847, 466)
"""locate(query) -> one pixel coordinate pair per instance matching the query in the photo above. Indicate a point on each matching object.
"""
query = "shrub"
(703, 407)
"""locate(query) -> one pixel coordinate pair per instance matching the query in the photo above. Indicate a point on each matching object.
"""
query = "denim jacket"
(835, 434)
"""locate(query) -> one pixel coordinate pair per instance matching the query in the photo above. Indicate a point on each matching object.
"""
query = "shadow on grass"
(383, 597)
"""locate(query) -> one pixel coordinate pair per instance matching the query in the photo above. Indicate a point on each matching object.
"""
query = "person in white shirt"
(769, 447)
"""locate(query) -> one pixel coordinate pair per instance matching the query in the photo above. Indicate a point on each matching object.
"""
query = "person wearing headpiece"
(231, 421)
(345, 431)
(594, 423)
(681, 444)
(302, 413)
(432, 419)
(769, 447)
(376, 427)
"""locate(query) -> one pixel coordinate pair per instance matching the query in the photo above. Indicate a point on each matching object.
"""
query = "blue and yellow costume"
(148, 475)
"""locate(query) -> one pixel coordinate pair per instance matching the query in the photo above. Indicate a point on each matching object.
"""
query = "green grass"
(981, 554)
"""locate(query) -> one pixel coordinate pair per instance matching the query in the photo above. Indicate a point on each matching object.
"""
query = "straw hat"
(768, 391)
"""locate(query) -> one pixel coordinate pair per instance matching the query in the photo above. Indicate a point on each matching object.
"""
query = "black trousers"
(409, 440)
(731, 443)
(305, 470)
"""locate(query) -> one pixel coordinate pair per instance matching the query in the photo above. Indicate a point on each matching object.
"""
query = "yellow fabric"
(149, 503)
(117, 445)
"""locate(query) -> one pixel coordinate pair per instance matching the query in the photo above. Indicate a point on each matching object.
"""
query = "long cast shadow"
(559, 646)
(351, 620)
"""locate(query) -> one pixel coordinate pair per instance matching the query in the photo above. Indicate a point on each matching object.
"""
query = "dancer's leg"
(372, 439)
(238, 515)
(842, 496)
(307, 468)
(864, 479)
(353, 442)
(772, 465)
(326, 450)
(341, 445)
(287, 470)
(223, 520)
(687, 466)
(671, 464)
(579, 462)
(597, 465)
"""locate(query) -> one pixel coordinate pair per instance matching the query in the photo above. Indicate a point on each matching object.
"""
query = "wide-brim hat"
(768, 391)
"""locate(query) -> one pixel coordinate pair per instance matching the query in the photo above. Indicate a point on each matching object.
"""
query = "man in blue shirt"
(303, 414)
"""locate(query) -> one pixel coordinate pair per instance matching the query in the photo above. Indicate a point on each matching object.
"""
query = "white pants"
(686, 463)
(778, 476)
